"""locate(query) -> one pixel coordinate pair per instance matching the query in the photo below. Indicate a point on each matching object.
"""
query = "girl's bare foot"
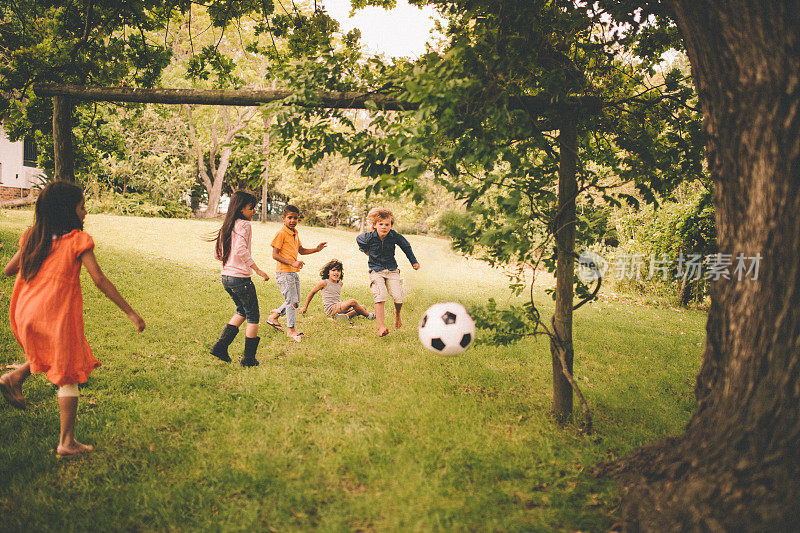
(11, 392)
(75, 448)
(397, 322)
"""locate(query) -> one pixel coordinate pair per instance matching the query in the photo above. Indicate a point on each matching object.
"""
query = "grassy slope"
(343, 431)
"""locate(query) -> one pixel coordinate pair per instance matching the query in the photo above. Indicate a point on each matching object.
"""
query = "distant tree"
(137, 148)
(244, 61)
(213, 170)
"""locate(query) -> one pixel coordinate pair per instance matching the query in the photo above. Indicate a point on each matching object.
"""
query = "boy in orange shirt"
(285, 247)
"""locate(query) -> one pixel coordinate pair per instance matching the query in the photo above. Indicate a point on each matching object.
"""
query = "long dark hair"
(239, 201)
(55, 215)
(333, 264)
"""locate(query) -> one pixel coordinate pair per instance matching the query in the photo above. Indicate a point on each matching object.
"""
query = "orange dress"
(47, 313)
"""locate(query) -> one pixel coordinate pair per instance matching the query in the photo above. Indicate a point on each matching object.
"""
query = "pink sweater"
(239, 260)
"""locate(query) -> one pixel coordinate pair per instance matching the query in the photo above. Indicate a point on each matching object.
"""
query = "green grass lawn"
(344, 431)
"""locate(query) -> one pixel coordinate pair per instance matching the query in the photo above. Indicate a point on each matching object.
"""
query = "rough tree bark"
(63, 157)
(737, 465)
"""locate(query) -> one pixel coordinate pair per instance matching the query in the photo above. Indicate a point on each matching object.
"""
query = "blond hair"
(379, 213)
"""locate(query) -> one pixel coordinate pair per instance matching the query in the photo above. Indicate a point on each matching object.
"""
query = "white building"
(18, 171)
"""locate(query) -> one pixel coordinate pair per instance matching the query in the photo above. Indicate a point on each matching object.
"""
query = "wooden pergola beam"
(534, 105)
(237, 97)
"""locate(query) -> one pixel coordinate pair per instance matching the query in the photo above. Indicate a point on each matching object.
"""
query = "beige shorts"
(386, 283)
(335, 308)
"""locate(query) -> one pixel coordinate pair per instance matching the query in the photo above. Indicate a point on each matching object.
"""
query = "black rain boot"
(250, 347)
(220, 348)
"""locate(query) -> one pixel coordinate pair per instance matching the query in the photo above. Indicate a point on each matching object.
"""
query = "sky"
(399, 32)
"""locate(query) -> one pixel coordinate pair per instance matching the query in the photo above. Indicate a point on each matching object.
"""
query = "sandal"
(276, 327)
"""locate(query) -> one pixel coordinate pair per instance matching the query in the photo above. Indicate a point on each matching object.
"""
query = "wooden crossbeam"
(237, 97)
(534, 105)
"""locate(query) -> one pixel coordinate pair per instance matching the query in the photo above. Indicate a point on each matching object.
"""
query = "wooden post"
(565, 268)
(63, 154)
(265, 172)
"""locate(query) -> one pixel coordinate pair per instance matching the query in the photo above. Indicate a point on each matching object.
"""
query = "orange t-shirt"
(288, 245)
(47, 313)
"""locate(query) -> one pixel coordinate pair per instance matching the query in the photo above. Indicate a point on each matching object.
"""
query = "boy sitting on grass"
(384, 275)
(332, 275)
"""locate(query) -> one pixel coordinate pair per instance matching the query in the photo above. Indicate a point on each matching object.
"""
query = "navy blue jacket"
(381, 252)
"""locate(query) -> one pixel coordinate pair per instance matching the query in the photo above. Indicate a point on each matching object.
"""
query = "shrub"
(676, 229)
(135, 204)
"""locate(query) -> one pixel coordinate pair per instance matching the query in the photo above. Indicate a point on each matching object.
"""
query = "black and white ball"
(447, 329)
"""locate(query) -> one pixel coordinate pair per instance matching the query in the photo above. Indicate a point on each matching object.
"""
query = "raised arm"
(106, 287)
(12, 267)
(315, 290)
(306, 251)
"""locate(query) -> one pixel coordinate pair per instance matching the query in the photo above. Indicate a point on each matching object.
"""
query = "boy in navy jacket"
(384, 276)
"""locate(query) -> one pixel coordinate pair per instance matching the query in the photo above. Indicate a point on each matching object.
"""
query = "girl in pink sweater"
(233, 249)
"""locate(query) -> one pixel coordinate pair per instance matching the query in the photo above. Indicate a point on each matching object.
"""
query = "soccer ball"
(447, 329)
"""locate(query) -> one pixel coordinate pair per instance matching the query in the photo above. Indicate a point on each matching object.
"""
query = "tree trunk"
(218, 178)
(63, 157)
(214, 195)
(561, 347)
(686, 292)
(737, 465)
(265, 172)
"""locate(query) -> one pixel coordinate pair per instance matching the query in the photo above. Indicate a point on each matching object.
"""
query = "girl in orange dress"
(47, 304)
